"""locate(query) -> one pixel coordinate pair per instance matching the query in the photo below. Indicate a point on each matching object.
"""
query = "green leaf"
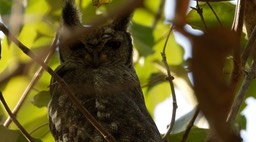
(242, 121)
(143, 38)
(8, 135)
(41, 99)
(5, 7)
(224, 10)
(195, 135)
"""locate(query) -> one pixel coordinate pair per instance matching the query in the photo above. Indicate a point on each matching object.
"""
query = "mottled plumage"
(98, 68)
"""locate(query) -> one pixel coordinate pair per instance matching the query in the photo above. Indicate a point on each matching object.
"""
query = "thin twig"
(190, 125)
(217, 17)
(170, 79)
(107, 136)
(23, 131)
(158, 14)
(200, 12)
(34, 80)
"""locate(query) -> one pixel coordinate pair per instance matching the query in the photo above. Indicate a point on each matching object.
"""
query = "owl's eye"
(115, 44)
(77, 46)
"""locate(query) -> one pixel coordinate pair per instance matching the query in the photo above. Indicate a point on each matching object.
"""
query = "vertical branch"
(34, 80)
(170, 80)
(23, 131)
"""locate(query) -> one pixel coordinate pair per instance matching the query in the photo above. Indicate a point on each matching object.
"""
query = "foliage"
(37, 28)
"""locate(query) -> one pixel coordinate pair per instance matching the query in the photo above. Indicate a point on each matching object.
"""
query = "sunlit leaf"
(224, 10)
(157, 95)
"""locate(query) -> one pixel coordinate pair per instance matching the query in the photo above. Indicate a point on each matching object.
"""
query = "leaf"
(224, 10)
(143, 39)
(41, 99)
(242, 121)
(195, 135)
(5, 7)
(213, 92)
(182, 123)
(156, 95)
(8, 135)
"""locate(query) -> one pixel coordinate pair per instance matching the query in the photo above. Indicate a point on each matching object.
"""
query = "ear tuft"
(121, 22)
(70, 14)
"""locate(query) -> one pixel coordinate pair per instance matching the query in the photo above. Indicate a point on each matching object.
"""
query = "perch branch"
(23, 131)
(170, 79)
(34, 80)
(108, 137)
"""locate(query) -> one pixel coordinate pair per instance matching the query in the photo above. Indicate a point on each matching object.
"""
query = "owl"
(97, 66)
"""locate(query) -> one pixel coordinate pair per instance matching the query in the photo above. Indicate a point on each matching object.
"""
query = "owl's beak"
(95, 58)
(98, 58)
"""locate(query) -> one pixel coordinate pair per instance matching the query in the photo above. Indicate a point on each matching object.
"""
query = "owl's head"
(93, 46)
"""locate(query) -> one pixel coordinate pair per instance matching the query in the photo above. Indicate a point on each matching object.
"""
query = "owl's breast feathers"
(112, 96)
